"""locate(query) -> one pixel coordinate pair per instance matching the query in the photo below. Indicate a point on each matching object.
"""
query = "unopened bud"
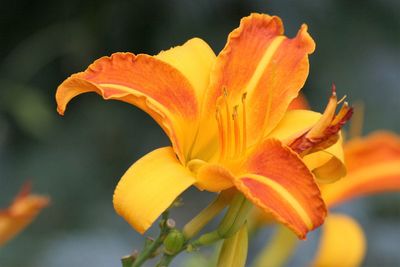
(174, 242)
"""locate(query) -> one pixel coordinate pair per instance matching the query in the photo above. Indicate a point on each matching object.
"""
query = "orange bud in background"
(22, 211)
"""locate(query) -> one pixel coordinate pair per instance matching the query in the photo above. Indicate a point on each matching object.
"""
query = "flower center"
(231, 122)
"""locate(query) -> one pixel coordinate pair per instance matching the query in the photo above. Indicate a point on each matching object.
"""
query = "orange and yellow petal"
(373, 167)
(20, 213)
(342, 243)
(146, 82)
(278, 182)
(149, 187)
(260, 61)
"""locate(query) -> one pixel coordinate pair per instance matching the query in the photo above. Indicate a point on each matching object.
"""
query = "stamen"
(244, 130)
(221, 133)
(342, 112)
(228, 121)
(236, 130)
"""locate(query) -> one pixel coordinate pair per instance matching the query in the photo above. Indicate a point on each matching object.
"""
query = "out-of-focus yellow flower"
(22, 211)
(227, 119)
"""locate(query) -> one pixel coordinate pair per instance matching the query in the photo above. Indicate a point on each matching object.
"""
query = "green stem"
(193, 227)
(127, 261)
(165, 260)
(233, 220)
(235, 217)
(234, 249)
(151, 248)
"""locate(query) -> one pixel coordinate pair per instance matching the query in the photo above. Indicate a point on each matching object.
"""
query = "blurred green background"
(78, 159)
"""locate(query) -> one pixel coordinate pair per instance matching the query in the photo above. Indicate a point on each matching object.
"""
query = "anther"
(221, 133)
(225, 92)
(236, 129)
(244, 97)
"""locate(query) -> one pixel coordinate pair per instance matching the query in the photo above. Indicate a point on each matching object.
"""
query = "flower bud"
(234, 249)
(174, 242)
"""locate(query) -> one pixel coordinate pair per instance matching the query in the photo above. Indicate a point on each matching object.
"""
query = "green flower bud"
(234, 249)
(174, 242)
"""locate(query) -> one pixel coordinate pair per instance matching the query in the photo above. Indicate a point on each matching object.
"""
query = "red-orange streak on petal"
(280, 83)
(278, 163)
(276, 205)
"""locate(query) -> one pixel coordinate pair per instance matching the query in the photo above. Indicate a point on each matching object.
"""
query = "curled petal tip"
(60, 111)
(306, 39)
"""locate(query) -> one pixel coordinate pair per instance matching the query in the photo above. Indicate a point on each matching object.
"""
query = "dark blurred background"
(78, 159)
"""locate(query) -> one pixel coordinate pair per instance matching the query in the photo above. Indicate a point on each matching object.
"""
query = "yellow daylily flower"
(22, 211)
(227, 119)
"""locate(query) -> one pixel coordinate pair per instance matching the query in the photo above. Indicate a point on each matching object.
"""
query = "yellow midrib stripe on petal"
(129, 90)
(262, 65)
(122, 88)
(286, 195)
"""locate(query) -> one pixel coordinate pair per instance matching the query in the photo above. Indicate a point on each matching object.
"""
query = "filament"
(244, 130)
(236, 129)
(228, 121)
(221, 133)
